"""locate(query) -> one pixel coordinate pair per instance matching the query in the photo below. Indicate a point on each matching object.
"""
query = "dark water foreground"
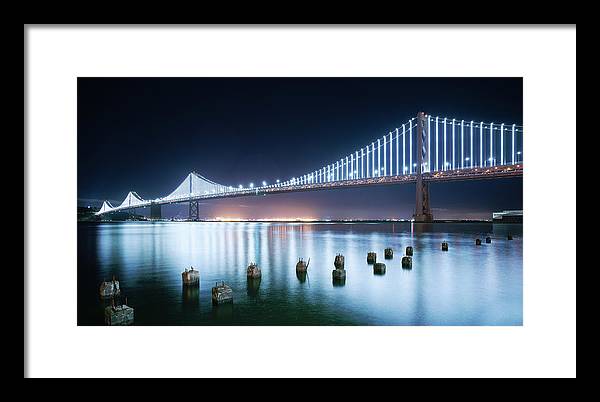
(468, 285)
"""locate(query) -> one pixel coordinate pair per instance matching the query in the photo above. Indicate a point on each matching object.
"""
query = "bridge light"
(240, 187)
(519, 153)
(277, 181)
(264, 183)
(467, 158)
(251, 185)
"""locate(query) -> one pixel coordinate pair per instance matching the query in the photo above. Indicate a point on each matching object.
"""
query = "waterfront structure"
(514, 216)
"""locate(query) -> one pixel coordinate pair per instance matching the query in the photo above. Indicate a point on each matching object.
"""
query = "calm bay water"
(468, 285)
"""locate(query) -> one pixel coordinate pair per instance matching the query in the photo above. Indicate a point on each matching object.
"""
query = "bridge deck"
(441, 176)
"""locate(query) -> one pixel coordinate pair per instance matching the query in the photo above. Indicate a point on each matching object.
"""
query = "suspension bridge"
(424, 150)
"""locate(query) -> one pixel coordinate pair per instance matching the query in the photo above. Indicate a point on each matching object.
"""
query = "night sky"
(147, 134)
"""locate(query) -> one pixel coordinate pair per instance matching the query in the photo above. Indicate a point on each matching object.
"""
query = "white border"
(544, 346)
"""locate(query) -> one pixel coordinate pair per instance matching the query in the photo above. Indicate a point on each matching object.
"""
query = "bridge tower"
(422, 210)
(193, 212)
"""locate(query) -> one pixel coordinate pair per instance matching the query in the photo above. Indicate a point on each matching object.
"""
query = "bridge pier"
(193, 211)
(422, 208)
(155, 211)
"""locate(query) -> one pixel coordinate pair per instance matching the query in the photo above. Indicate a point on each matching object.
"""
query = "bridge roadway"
(476, 173)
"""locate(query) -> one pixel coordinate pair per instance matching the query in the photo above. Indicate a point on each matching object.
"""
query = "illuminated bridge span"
(425, 149)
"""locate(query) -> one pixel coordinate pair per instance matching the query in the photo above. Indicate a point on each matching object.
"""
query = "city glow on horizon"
(278, 219)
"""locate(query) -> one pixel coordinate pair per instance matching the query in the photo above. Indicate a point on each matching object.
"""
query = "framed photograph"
(298, 192)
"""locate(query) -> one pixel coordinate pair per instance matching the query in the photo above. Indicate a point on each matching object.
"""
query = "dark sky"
(147, 134)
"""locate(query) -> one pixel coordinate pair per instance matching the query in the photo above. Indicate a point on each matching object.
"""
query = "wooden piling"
(222, 293)
(379, 268)
(110, 288)
(190, 277)
(301, 265)
(338, 263)
(371, 257)
(253, 271)
(118, 315)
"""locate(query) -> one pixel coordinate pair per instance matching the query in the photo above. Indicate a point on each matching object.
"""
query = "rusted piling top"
(339, 273)
(253, 271)
(371, 257)
(338, 263)
(110, 288)
(190, 277)
(301, 265)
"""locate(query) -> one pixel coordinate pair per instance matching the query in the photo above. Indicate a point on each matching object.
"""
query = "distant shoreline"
(320, 221)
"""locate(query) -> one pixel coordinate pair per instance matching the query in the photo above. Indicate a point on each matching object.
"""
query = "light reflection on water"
(468, 285)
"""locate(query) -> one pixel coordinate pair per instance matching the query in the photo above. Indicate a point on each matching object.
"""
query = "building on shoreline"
(513, 216)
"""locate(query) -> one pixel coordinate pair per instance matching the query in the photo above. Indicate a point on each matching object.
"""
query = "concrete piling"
(371, 257)
(190, 277)
(301, 275)
(338, 263)
(118, 314)
(444, 246)
(302, 266)
(222, 293)
(388, 253)
(252, 286)
(478, 242)
(407, 262)
(488, 240)
(339, 273)
(253, 271)
(110, 288)
(339, 281)
(409, 251)
(379, 268)
(509, 237)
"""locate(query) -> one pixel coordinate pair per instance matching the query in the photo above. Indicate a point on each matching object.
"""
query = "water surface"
(468, 285)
